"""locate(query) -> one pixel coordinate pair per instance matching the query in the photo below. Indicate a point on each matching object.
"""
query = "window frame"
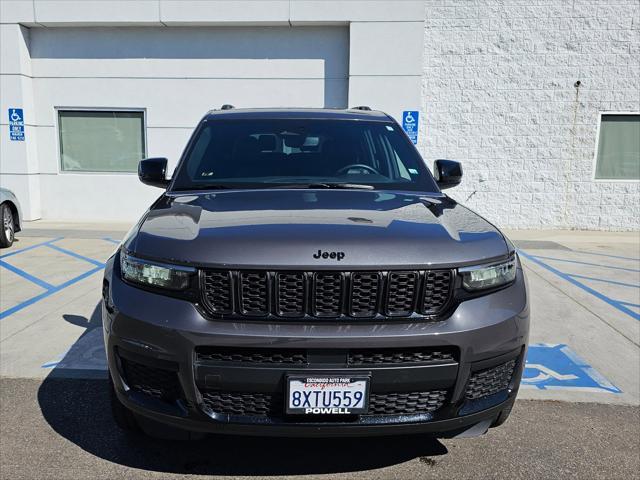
(597, 144)
(59, 109)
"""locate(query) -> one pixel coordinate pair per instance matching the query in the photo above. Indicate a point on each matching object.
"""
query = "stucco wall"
(499, 94)
(495, 86)
(176, 59)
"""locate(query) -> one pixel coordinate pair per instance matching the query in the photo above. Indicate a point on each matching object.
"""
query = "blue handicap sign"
(410, 124)
(16, 124)
(556, 366)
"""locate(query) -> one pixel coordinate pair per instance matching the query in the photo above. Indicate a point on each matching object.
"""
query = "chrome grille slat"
(326, 294)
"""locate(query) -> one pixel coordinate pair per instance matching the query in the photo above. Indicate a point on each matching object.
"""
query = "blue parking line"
(586, 263)
(41, 244)
(614, 303)
(629, 304)
(50, 289)
(27, 276)
(607, 255)
(48, 293)
(112, 240)
(49, 365)
(76, 255)
(614, 282)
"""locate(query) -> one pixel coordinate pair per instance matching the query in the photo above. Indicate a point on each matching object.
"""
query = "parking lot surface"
(577, 415)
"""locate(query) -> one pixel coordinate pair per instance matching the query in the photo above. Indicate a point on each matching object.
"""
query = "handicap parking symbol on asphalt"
(556, 366)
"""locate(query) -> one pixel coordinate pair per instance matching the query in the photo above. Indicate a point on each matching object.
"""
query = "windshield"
(302, 154)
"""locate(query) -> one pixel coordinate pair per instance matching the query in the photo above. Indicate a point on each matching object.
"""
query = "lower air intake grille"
(272, 405)
(154, 382)
(406, 403)
(244, 404)
(489, 381)
(393, 356)
(251, 355)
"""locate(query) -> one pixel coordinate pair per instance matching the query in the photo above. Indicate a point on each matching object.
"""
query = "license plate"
(327, 395)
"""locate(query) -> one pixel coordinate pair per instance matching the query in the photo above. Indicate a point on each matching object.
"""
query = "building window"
(618, 153)
(101, 140)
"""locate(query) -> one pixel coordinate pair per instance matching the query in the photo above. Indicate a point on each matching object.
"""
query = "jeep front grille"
(251, 293)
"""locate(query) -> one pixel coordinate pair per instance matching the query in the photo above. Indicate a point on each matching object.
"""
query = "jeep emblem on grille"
(333, 255)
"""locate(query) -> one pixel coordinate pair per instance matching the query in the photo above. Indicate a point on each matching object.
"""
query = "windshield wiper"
(328, 185)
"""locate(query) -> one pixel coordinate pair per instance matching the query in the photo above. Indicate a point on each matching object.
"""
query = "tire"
(7, 232)
(124, 418)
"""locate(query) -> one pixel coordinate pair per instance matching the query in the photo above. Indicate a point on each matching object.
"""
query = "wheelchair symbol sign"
(410, 124)
(556, 366)
(16, 124)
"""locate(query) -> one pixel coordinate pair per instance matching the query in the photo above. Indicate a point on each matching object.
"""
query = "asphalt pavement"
(62, 429)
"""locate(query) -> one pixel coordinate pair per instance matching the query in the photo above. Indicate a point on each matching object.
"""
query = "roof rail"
(362, 107)
(227, 106)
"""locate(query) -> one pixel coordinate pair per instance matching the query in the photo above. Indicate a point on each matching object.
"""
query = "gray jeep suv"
(303, 274)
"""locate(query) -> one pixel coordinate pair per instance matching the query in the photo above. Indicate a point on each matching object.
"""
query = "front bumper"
(162, 338)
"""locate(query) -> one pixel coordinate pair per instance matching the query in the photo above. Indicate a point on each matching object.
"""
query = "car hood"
(281, 229)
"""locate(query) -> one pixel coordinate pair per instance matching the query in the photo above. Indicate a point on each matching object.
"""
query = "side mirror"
(448, 173)
(153, 171)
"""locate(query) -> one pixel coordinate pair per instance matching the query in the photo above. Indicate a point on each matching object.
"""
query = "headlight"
(488, 276)
(145, 272)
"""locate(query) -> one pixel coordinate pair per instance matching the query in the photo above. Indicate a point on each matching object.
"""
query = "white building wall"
(176, 59)
(494, 80)
(176, 75)
(499, 94)
(18, 160)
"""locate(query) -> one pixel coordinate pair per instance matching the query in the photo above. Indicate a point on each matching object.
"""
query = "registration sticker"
(330, 395)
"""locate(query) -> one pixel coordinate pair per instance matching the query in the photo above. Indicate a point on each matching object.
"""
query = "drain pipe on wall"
(569, 162)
